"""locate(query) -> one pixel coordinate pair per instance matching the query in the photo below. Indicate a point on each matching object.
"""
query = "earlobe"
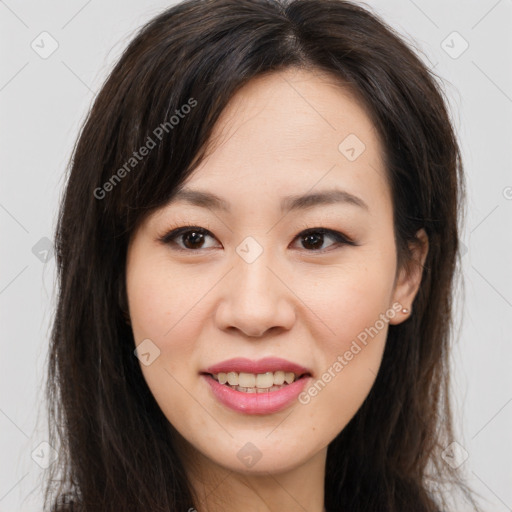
(410, 276)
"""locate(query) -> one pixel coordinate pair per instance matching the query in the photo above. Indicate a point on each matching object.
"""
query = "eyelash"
(170, 237)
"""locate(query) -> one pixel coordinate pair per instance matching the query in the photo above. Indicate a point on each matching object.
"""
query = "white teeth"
(258, 390)
(278, 378)
(264, 380)
(251, 381)
(246, 380)
(232, 378)
(289, 377)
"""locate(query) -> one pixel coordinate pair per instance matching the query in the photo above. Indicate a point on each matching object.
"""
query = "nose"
(256, 298)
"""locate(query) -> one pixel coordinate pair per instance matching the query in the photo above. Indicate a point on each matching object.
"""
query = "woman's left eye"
(315, 238)
(192, 238)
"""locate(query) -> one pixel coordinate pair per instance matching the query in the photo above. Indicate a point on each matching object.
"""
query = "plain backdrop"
(43, 101)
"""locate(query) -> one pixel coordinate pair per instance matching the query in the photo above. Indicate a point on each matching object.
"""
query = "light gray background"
(43, 102)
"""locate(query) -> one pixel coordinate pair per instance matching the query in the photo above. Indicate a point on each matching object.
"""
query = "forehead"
(288, 132)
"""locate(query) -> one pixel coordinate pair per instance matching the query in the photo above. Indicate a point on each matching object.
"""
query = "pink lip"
(267, 364)
(256, 403)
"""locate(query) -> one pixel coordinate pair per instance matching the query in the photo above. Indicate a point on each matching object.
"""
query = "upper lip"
(267, 364)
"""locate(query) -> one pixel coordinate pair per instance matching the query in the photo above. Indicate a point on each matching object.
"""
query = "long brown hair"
(117, 451)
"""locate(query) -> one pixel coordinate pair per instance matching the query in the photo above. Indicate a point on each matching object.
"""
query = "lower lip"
(256, 403)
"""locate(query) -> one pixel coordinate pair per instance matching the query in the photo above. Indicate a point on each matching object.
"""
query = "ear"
(409, 277)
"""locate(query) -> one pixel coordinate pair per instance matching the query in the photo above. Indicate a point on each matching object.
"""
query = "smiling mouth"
(257, 383)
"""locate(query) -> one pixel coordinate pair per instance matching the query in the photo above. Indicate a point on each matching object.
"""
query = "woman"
(256, 252)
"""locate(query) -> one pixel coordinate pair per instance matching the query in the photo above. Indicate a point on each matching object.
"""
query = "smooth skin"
(304, 299)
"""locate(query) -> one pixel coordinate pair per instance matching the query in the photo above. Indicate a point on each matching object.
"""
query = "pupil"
(317, 237)
(194, 236)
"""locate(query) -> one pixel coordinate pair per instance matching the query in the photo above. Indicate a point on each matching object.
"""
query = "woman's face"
(247, 281)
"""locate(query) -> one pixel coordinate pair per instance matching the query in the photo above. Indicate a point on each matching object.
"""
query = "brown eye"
(193, 239)
(313, 239)
(188, 238)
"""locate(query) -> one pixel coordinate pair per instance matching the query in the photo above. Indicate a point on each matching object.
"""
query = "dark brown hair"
(117, 450)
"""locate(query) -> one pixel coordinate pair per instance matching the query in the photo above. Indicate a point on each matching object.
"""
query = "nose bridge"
(255, 300)
(254, 278)
(254, 284)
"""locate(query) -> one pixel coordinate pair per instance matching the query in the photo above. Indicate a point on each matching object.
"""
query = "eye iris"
(195, 237)
(314, 238)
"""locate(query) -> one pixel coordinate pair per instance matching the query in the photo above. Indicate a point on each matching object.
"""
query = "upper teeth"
(251, 380)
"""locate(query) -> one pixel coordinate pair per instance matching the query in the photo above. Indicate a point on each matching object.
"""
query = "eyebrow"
(288, 203)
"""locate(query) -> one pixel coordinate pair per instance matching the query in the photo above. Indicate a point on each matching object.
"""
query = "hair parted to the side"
(116, 448)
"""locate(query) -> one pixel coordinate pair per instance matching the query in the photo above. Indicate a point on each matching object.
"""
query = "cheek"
(164, 307)
(353, 302)
(162, 310)
(347, 299)
(163, 300)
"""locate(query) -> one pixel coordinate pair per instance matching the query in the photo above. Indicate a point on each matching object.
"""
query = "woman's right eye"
(188, 238)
